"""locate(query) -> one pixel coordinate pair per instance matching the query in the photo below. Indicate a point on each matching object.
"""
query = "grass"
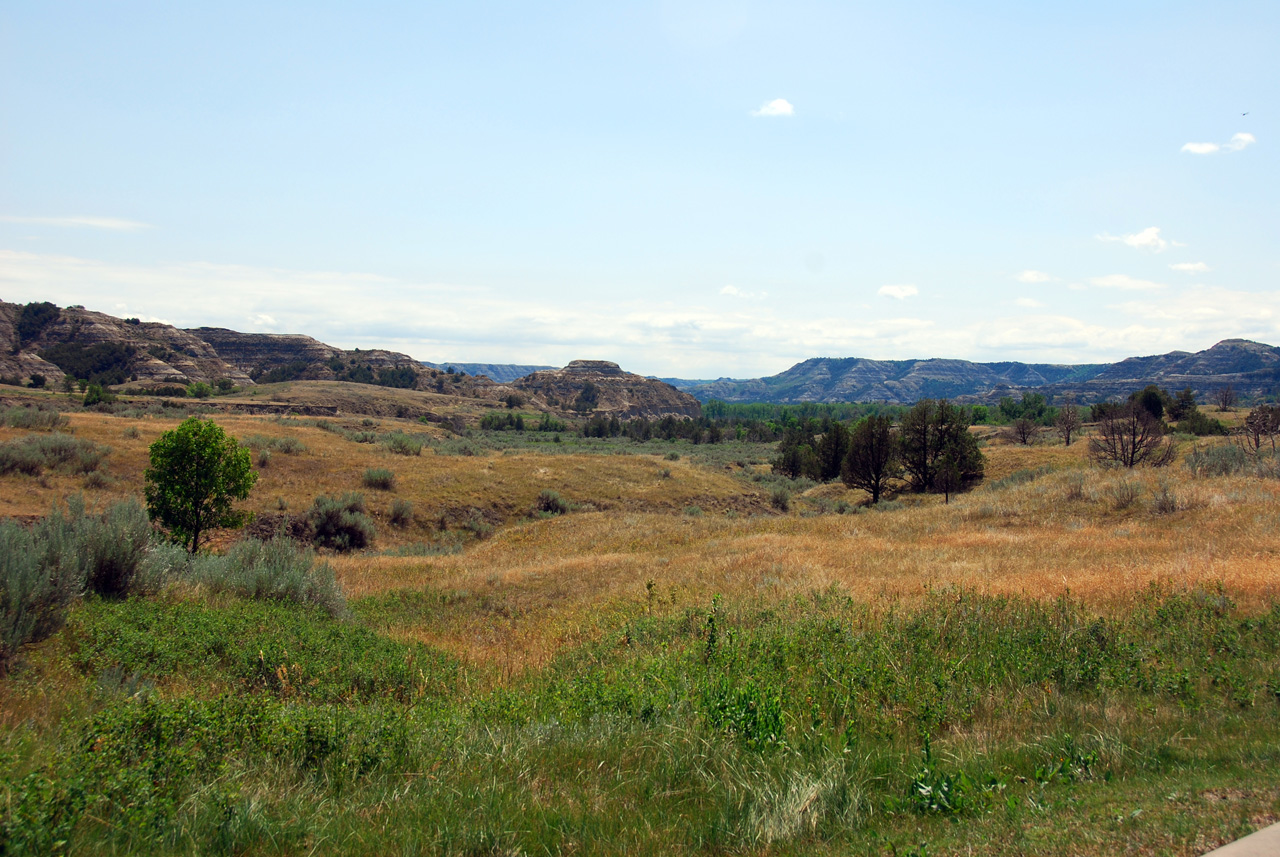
(1033, 668)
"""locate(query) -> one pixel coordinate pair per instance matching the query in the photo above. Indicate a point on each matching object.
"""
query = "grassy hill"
(663, 658)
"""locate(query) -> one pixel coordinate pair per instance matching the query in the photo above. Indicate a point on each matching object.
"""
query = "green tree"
(931, 432)
(196, 471)
(872, 461)
(832, 450)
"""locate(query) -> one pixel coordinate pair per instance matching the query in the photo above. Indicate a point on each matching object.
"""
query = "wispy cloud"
(1235, 144)
(899, 292)
(776, 107)
(1030, 276)
(1030, 303)
(1124, 281)
(113, 223)
(735, 292)
(1190, 267)
(1147, 239)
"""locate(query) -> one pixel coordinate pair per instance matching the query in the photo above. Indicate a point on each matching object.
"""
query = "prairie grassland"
(542, 584)
(499, 487)
(672, 667)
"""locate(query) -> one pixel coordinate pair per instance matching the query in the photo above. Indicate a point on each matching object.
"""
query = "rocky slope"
(598, 386)
(500, 373)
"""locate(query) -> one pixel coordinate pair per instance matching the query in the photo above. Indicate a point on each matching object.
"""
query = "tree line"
(928, 449)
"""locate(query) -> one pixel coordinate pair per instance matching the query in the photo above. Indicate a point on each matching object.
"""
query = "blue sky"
(688, 189)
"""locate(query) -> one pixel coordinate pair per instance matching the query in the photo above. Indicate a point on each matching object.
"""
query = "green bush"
(199, 390)
(277, 570)
(403, 444)
(780, 499)
(1222, 460)
(32, 418)
(379, 478)
(401, 512)
(340, 523)
(551, 503)
(42, 570)
(60, 452)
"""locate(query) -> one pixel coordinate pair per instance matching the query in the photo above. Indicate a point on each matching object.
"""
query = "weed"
(379, 478)
(401, 514)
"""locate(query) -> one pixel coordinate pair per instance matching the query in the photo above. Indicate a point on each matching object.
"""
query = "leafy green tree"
(831, 451)
(932, 431)
(196, 471)
(872, 460)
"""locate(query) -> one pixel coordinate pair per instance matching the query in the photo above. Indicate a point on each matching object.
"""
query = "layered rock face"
(601, 387)
(161, 354)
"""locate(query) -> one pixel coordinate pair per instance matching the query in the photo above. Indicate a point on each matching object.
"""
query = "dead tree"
(1225, 397)
(1068, 421)
(1129, 436)
(1260, 429)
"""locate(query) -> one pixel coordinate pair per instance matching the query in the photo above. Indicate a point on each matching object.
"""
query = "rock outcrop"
(589, 387)
(149, 354)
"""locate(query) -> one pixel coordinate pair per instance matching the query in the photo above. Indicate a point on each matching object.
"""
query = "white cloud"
(114, 223)
(1147, 239)
(776, 107)
(1235, 144)
(1190, 267)
(685, 339)
(1124, 281)
(735, 292)
(261, 319)
(1028, 302)
(900, 292)
(1030, 276)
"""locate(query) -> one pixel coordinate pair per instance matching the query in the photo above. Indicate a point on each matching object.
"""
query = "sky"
(689, 189)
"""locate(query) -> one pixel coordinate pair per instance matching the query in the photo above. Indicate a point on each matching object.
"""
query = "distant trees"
(931, 450)
(1129, 435)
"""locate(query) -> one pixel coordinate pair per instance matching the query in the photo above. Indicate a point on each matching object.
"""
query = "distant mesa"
(602, 387)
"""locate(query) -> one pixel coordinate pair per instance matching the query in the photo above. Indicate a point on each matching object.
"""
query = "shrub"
(1223, 460)
(264, 458)
(1124, 493)
(1165, 501)
(60, 452)
(199, 390)
(401, 512)
(275, 570)
(551, 503)
(340, 523)
(780, 499)
(672, 456)
(693, 511)
(403, 444)
(43, 569)
(130, 432)
(379, 478)
(32, 418)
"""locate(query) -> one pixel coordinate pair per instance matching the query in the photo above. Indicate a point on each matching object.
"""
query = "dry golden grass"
(537, 585)
(546, 581)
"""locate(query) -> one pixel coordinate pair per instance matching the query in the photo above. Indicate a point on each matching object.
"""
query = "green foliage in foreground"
(814, 724)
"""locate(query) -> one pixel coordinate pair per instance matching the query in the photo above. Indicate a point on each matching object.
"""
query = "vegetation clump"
(340, 523)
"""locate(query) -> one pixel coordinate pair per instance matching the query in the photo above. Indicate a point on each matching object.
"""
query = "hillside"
(1252, 368)
(598, 386)
(502, 373)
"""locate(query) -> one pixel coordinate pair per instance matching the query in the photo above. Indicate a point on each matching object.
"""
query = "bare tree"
(1068, 421)
(1023, 430)
(1129, 436)
(1260, 429)
(1225, 397)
